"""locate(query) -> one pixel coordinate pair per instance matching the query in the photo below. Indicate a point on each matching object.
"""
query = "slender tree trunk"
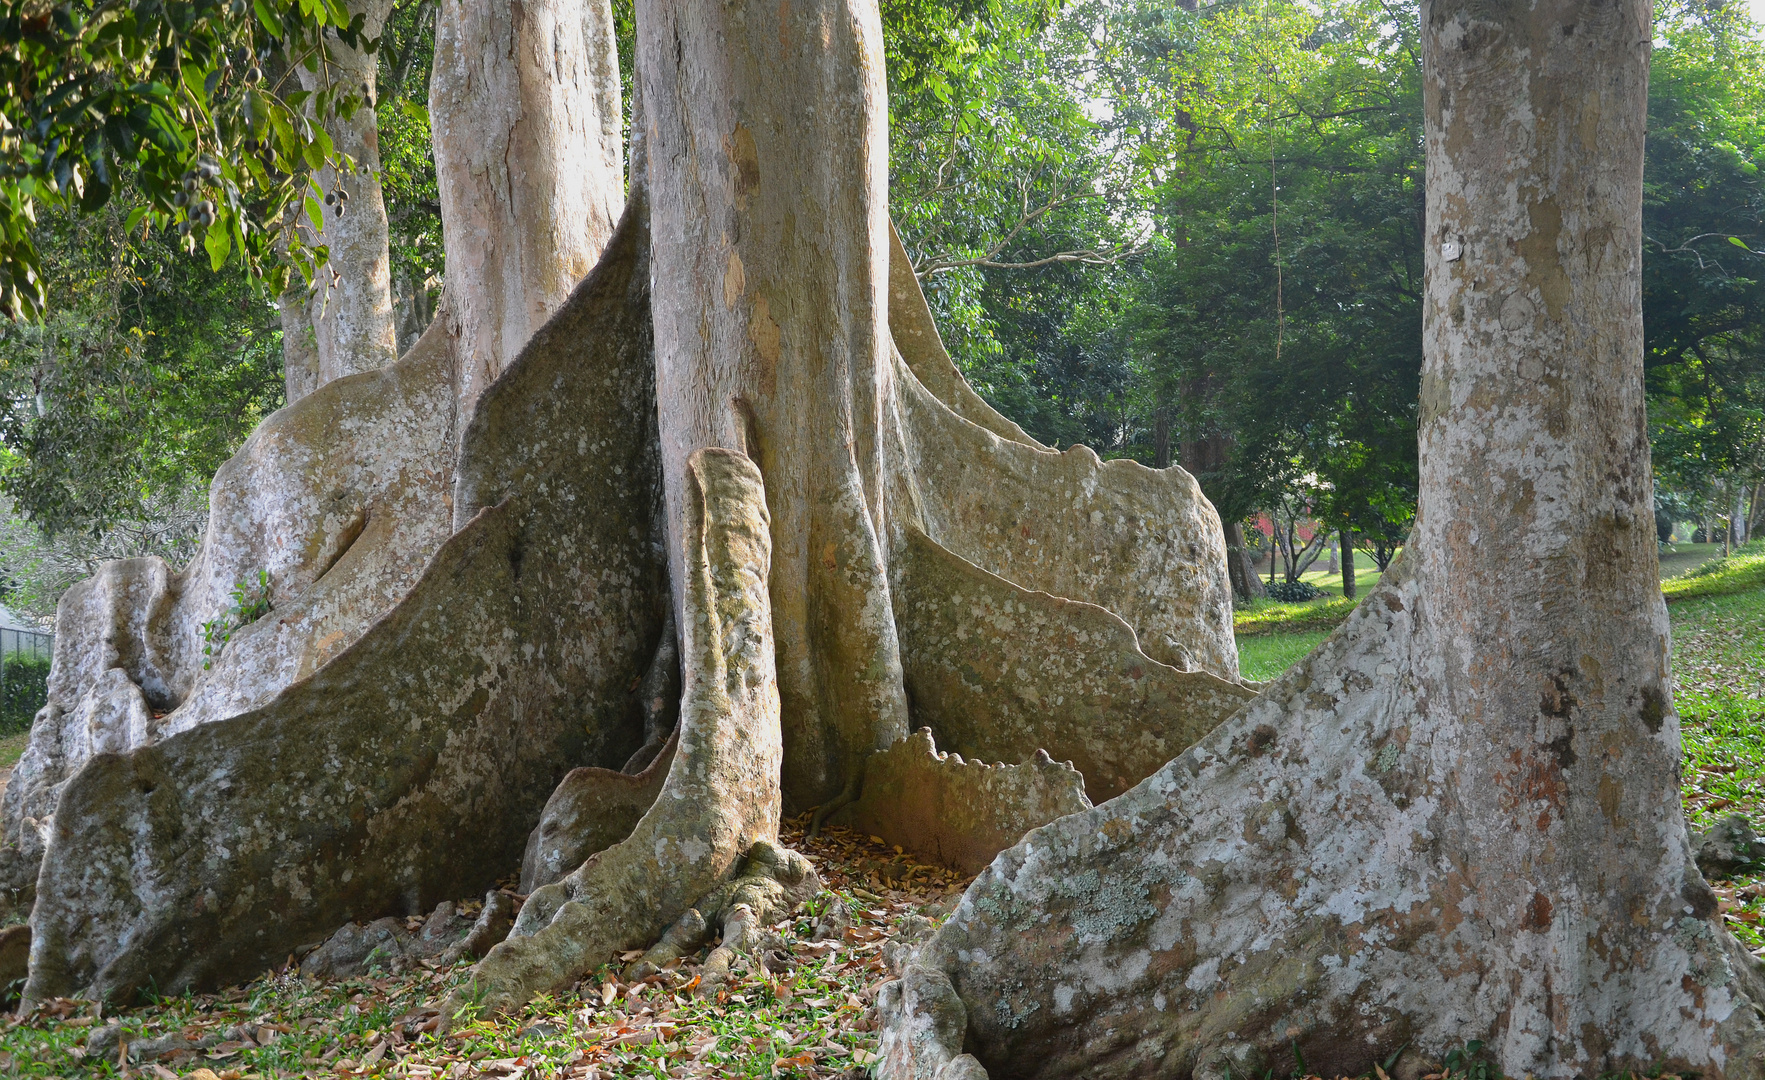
(351, 302)
(1161, 438)
(1348, 582)
(1239, 566)
(1459, 819)
(300, 350)
(525, 105)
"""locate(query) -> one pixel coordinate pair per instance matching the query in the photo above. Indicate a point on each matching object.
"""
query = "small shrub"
(249, 604)
(1294, 592)
(24, 688)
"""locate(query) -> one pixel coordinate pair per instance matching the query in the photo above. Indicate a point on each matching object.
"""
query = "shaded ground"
(804, 1010)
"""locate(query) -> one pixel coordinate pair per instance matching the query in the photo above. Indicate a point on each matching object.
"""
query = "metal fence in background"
(24, 677)
(32, 643)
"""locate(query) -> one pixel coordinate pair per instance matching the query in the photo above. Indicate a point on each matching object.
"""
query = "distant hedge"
(24, 688)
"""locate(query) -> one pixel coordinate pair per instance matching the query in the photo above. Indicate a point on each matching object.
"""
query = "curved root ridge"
(774, 882)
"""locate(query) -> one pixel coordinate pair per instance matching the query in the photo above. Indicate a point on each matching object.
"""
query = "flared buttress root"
(721, 797)
(1294, 880)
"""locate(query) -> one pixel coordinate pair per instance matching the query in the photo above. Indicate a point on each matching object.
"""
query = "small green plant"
(1464, 1064)
(250, 603)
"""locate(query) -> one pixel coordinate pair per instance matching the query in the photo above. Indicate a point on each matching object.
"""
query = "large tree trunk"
(1459, 819)
(770, 219)
(798, 362)
(525, 105)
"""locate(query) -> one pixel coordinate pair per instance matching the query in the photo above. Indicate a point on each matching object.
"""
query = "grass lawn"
(12, 747)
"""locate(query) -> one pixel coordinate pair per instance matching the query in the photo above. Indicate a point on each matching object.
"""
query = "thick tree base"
(1298, 879)
(720, 802)
(413, 766)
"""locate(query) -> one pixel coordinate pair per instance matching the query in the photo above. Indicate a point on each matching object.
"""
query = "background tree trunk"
(1348, 582)
(350, 306)
(1458, 819)
(525, 105)
(1239, 565)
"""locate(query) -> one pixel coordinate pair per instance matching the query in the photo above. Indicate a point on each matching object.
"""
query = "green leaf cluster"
(194, 100)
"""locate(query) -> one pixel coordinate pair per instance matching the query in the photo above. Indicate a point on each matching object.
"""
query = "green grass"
(1262, 617)
(1719, 689)
(12, 747)
(1264, 656)
(1680, 559)
(1741, 572)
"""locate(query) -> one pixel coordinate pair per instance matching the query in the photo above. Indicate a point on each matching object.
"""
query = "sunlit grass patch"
(1263, 657)
(1743, 571)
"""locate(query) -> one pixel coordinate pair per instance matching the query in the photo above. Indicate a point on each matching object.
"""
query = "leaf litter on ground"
(802, 1008)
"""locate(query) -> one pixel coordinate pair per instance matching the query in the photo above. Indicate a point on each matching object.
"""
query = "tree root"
(1297, 880)
(774, 882)
(721, 799)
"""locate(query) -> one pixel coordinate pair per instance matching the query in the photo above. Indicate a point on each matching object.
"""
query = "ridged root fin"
(721, 798)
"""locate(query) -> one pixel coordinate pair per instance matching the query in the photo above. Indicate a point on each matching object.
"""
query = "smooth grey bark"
(342, 322)
(351, 302)
(1459, 819)
(767, 145)
(525, 106)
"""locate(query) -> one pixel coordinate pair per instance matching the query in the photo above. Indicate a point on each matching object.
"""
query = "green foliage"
(147, 371)
(24, 688)
(248, 603)
(175, 95)
(1294, 592)
(1703, 279)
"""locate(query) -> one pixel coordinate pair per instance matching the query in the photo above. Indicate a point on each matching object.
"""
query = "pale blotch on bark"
(525, 109)
(1459, 819)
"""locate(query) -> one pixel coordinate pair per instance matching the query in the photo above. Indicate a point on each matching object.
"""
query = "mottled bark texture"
(1459, 818)
(410, 768)
(767, 144)
(591, 810)
(721, 797)
(780, 299)
(529, 164)
(997, 670)
(960, 812)
(341, 499)
(794, 344)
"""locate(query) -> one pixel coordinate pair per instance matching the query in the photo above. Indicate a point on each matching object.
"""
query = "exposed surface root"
(721, 796)
(773, 883)
(1295, 881)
